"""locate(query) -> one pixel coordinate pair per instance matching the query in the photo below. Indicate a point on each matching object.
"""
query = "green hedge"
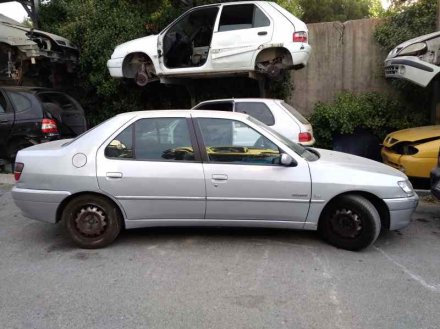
(374, 112)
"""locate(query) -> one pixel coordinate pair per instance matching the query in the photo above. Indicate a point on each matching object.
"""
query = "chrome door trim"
(259, 200)
(121, 197)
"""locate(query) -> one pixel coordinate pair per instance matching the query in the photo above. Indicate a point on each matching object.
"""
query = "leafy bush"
(374, 112)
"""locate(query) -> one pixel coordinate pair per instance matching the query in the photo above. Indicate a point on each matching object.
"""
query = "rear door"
(6, 123)
(154, 170)
(242, 29)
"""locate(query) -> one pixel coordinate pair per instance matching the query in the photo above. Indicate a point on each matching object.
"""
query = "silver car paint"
(289, 197)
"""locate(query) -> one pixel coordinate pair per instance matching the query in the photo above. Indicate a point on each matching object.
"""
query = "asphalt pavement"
(217, 278)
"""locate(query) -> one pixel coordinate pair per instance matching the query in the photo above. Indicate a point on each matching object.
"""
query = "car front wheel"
(92, 221)
(351, 222)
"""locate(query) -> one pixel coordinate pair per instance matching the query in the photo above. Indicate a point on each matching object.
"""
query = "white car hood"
(349, 162)
(136, 45)
(405, 44)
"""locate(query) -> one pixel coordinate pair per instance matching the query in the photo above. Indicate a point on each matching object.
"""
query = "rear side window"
(20, 101)
(238, 17)
(220, 106)
(259, 111)
(153, 139)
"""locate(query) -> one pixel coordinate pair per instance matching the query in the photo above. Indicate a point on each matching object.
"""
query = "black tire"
(92, 221)
(351, 222)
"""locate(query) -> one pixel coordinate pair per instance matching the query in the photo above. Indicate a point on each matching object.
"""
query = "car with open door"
(239, 38)
(187, 168)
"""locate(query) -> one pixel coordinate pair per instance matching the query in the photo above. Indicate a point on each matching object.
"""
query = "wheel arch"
(268, 54)
(378, 203)
(71, 197)
(130, 69)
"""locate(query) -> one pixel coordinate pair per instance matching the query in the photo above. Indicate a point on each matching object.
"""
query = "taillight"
(49, 126)
(18, 169)
(300, 36)
(304, 137)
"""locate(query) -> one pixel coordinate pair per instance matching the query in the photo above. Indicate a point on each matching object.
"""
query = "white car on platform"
(228, 39)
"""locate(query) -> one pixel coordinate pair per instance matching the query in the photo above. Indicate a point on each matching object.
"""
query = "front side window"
(2, 103)
(238, 17)
(153, 139)
(233, 141)
(259, 111)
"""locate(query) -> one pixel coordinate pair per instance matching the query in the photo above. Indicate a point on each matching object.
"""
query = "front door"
(185, 45)
(153, 170)
(245, 180)
(242, 29)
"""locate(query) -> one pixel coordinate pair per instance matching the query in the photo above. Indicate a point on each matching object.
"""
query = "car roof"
(240, 100)
(184, 113)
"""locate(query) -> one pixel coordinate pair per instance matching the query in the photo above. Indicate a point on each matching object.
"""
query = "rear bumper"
(300, 52)
(40, 205)
(401, 210)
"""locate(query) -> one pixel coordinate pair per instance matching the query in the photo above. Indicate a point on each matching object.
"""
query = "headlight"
(406, 187)
(414, 49)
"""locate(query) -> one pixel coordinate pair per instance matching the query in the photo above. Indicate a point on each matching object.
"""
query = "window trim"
(192, 135)
(204, 154)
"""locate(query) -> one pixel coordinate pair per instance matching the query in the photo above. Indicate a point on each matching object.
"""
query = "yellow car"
(414, 151)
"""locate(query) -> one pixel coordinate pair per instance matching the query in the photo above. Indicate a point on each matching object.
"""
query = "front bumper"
(40, 205)
(114, 66)
(408, 164)
(411, 68)
(435, 182)
(401, 210)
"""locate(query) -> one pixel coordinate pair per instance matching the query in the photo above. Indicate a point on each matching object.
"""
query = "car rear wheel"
(351, 222)
(92, 221)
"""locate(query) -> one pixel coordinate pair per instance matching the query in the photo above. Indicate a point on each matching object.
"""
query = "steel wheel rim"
(91, 221)
(346, 223)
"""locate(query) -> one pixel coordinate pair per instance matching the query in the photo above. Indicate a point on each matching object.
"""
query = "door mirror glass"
(287, 160)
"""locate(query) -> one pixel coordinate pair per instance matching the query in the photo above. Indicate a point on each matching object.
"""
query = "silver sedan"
(187, 168)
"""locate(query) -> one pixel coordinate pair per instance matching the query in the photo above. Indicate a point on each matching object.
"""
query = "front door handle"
(262, 33)
(114, 175)
(217, 177)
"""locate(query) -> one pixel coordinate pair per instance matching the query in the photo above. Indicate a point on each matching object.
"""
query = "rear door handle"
(114, 175)
(4, 120)
(262, 33)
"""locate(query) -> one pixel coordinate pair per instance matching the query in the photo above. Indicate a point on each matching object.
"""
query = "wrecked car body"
(416, 60)
(413, 151)
(25, 51)
(228, 39)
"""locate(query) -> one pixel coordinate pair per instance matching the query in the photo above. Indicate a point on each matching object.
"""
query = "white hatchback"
(275, 113)
(239, 38)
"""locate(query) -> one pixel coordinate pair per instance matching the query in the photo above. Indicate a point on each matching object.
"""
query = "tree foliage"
(405, 21)
(334, 10)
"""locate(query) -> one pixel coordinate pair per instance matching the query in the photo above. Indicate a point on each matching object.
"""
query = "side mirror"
(288, 161)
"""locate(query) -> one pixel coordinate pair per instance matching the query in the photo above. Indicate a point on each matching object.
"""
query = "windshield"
(297, 148)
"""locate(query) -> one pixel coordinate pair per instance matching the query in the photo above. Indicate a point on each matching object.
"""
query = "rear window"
(59, 101)
(220, 106)
(258, 110)
(295, 113)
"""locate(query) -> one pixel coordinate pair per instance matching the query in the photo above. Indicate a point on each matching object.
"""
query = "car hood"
(405, 44)
(140, 44)
(348, 162)
(15, 34)
(412, 135)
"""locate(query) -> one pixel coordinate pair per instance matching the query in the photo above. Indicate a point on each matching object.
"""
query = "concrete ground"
(217, 278)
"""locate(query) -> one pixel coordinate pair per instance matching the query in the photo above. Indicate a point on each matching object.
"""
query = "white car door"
(241, 30)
